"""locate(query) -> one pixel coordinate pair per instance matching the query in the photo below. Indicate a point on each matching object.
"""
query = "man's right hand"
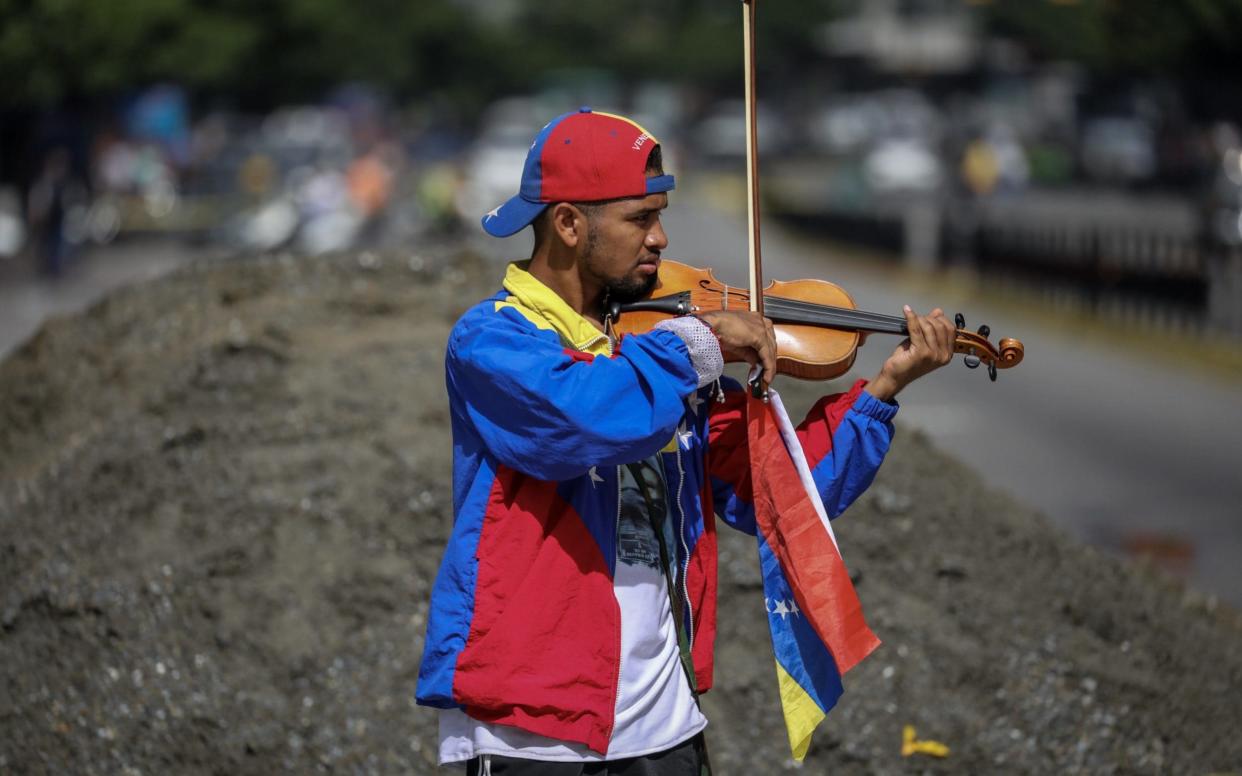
(745, 336)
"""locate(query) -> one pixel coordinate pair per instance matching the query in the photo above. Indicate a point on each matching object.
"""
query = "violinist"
(572, 620)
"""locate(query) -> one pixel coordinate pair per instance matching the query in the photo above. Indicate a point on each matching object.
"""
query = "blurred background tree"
(1134, 36)
(57, 50)
(258, 54)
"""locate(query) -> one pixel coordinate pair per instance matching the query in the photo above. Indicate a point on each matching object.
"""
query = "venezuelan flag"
(814, 615)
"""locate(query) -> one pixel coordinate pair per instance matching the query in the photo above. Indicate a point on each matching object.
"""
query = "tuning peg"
(985, 330)
(992, 372)
(971, 361)
(959, 320)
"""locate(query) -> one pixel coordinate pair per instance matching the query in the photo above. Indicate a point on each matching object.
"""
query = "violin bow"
(1010, 352)
(758, 388)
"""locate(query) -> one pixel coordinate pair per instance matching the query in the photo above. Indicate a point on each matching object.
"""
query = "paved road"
(1106, 442)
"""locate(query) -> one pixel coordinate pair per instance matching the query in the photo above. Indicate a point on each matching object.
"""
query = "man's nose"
(656, 238)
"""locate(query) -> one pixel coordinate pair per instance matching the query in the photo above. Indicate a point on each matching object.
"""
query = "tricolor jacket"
(524, 628)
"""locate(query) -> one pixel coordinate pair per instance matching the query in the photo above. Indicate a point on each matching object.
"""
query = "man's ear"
(569, 224)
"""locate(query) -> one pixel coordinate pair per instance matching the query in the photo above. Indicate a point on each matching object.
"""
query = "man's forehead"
(657, 201)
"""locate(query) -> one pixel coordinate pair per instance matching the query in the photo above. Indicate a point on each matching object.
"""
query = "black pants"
(686, 759)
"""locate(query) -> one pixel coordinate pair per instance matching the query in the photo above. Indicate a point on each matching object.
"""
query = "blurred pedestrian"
(47, 208)
(369, 181)
(437, 190)
(12, 226)
(980, 167)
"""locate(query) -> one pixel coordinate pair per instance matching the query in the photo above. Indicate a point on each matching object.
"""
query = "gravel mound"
(223, 497)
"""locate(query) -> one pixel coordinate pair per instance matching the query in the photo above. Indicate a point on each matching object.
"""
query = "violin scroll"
(977, 349)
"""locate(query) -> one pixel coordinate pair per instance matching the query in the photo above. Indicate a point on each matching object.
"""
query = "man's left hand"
(929, 347)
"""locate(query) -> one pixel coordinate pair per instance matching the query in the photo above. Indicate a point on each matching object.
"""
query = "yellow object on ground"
(910, 745)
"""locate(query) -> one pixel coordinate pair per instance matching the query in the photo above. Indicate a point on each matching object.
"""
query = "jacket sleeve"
(552, 412)
(845, 437)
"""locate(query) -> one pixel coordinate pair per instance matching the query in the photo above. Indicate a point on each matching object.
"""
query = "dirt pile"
(225, 494)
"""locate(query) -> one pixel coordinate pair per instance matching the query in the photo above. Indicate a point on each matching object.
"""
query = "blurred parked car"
(721, 135)
(854, 122)
(1119, 150)
(1225, 201)
(843, 127)
(897, 166)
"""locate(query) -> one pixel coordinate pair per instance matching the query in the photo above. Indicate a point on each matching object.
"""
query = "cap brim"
(511, 217)
(660, 183)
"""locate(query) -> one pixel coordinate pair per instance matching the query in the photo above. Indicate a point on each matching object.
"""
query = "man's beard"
(626, 291)
(621, 290)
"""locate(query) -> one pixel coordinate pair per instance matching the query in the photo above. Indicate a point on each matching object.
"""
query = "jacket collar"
(574, 329)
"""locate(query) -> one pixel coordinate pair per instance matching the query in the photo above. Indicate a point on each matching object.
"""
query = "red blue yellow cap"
(582, 156)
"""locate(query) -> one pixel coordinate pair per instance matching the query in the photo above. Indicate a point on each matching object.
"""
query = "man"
(573, 618)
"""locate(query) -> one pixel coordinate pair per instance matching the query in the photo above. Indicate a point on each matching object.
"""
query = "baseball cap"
(582, 156)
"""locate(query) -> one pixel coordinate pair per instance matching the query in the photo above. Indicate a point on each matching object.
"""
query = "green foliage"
(262, 52)
(265, 51)
(1125, 35)
(52, 49)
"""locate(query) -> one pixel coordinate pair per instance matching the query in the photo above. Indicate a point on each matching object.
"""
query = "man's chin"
(633, 289)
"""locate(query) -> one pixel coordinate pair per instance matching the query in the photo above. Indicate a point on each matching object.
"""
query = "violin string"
(836, 321)
(811, 307)
(817, 313)
(800, 311)
(808, 312)
(827, 315)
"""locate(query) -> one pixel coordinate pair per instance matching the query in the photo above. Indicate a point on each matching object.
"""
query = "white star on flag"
(594, 477)
(684, 436)
(494, 212)
(781, 607)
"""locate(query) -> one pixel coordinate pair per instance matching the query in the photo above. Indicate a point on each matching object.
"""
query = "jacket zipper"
(616, 677)
(685, 548)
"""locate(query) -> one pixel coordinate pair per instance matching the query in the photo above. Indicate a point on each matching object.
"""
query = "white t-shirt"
(655, 707)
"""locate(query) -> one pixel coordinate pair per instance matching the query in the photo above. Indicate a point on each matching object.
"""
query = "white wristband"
(701, 342)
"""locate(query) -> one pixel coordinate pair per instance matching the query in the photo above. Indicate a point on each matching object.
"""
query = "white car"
(902, 166)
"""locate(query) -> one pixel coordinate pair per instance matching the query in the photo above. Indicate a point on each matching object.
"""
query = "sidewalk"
(28, 298)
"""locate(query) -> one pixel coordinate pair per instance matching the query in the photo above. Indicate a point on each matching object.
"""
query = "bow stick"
(758, 387)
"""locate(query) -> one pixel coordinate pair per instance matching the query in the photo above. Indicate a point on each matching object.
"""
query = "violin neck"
(811, 314)
(781, 310)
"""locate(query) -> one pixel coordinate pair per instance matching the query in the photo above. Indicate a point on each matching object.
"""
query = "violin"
(818, 327)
